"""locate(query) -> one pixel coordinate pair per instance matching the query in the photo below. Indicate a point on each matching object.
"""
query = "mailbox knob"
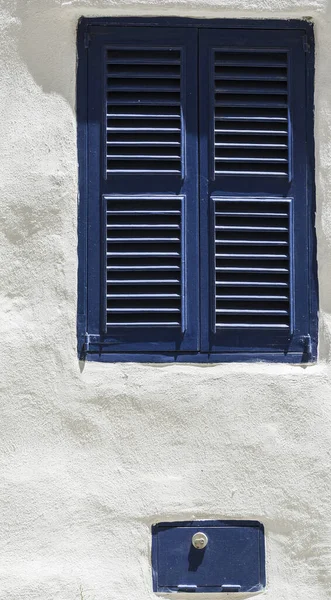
(199, 540)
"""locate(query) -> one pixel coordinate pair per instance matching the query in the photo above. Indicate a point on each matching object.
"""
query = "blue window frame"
(196, 205)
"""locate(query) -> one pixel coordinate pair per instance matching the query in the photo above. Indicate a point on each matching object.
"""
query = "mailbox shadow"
(195, 558)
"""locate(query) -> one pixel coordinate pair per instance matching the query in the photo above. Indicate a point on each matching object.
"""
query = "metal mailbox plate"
(232, 561)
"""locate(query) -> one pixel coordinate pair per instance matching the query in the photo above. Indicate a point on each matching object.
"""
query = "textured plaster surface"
(92, 455)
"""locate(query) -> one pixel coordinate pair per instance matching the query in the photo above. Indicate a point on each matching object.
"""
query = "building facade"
(94, 453)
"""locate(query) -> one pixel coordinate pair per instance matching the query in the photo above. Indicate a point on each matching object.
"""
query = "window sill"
(266, 357)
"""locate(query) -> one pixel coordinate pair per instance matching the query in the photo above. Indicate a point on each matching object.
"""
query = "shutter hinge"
(83, 346)
(87, 39)
(90, 338)
(87, 342)
(307, 346)
(306, 45)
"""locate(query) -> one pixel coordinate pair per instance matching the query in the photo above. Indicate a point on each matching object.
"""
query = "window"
(196, 210)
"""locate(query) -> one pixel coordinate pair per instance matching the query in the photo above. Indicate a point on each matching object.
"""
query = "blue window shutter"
(143, 199)
(255, 219)
(196, 214)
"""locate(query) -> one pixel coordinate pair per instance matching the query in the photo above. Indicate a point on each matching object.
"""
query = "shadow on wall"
(47, 45)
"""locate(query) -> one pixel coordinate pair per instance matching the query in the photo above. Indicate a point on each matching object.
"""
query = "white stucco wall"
(92, 454)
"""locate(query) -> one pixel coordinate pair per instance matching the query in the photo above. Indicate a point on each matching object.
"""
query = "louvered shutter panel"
(144, 110)
(144, 262)
(251, 113)
(254, 209)
(143, 191)
(253, 264)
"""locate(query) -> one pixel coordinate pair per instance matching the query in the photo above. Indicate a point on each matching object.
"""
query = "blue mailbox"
(208, 556)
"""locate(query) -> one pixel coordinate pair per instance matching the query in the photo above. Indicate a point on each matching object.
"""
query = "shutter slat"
(142, 157)
(262, 311)
(145, 99)
(252, 269)
(248, 298)
(245, 90)
(138, 129)
(253, 102)
(225, 283)
(245, 77)
(143, 143)
(234, 171)
(118, 116)
(248, 61)
(263, 297)
(143, 226)
(256, 326)
(124, 296)
(250, 73)
(148, 59)
(143, 212)
(145, 254)
(236, 256)
(263, 57)
(250, 145)
(251, 214)
(240, 131)
(143, 281)
(137, 55)
(253, 119)
(143, 73)
(137, 171)
(234, 159)
(250, 98)
(142, 323)
(142, 240)
(249, 228)
(143, 268)
(147, 88)
(250, 243)
(143, 310)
